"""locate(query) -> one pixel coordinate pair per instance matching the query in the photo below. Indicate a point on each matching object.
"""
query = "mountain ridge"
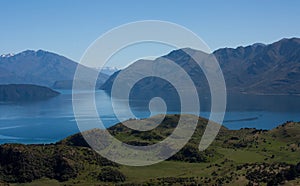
(42, 68)
(253, 69)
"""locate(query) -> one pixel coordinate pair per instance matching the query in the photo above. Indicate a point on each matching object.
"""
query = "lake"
(52, 120)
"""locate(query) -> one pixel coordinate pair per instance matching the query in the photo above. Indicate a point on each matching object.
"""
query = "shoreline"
(44, 141)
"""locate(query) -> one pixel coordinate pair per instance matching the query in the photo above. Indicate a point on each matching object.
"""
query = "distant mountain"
(68, 84)
(254, 69)
(109, 70)
(21, 92)
(263, 69)
(41, 68)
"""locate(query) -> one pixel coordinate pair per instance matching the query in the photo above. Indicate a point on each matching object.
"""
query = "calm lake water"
(52, 120)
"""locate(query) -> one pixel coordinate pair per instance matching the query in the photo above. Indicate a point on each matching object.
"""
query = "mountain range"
(254, 69)
(43, 68)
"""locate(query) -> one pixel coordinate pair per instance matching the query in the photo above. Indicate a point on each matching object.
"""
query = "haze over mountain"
(42, 68)
(109, 70)
(254, 69)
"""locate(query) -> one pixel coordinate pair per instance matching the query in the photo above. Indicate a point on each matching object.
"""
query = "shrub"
(109, 174)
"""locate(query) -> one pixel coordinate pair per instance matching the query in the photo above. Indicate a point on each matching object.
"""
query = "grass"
(245, 148)
(165, 169)
(241, 156)
(40, 182)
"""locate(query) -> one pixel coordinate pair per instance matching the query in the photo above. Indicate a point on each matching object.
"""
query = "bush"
(109, 174)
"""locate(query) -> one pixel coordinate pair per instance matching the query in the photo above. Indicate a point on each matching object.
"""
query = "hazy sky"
(68, 27)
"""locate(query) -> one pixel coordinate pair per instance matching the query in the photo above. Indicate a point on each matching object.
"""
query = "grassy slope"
(235, 154)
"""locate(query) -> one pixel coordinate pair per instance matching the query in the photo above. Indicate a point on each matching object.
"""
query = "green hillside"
(237, 157)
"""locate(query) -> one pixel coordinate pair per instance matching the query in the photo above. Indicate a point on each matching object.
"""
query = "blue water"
(52, 120)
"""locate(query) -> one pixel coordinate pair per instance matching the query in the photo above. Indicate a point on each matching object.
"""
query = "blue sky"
(68, 27)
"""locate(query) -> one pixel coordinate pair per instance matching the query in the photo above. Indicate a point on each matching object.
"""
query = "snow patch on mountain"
(7, 55)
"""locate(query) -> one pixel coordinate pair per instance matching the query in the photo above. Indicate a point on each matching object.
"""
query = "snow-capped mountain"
(108, 70)
(7, 55)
